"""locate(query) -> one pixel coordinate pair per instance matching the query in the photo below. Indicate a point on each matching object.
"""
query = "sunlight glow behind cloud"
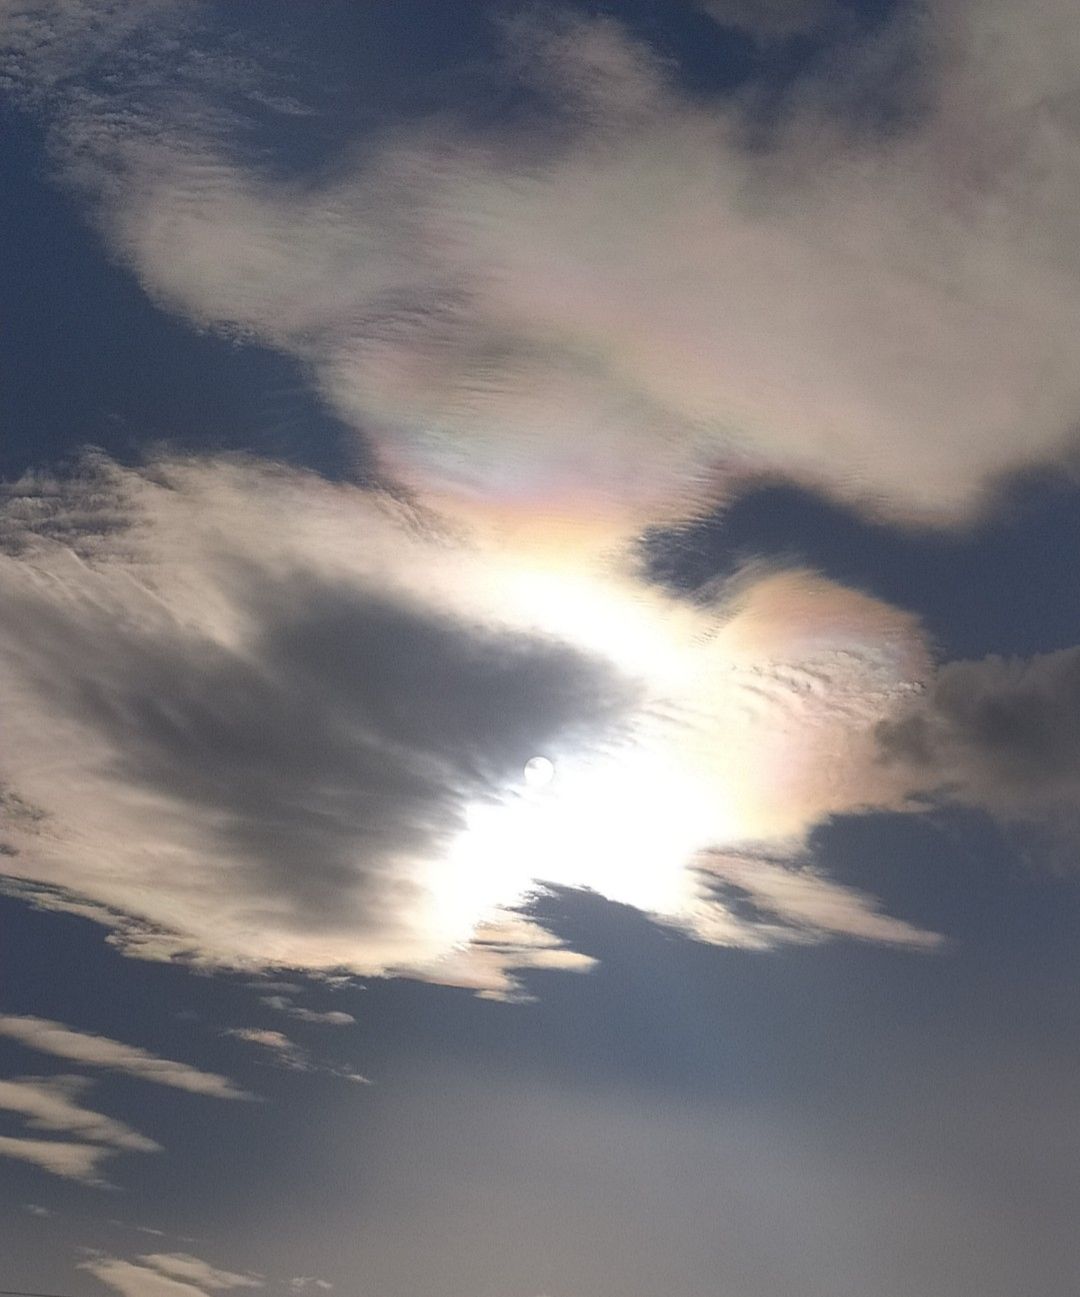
(377, 821)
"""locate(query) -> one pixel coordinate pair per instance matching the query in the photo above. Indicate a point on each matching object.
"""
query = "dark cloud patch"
(342, 736)
(1001, 733)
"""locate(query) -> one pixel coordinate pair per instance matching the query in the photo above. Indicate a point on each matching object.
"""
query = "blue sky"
(682, 393)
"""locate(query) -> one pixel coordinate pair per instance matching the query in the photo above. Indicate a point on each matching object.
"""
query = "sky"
(540, 653)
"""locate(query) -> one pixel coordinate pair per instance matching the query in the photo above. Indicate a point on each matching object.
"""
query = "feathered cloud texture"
(257, 745)
(274, 737)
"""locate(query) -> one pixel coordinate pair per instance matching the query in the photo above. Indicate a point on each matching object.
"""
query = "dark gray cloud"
(1003, 733)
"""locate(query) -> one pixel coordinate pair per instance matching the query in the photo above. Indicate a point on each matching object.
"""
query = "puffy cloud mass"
(640, 276)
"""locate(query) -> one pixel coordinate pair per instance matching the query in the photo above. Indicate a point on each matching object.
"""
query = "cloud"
(113, 1056)
(256, 746)
(811, 906)
(166, 1275)
(999, 733)
(287, 701)
(523, 319)
(329, 1018)
(183, 1266)
(49, 1104)
(69, 1160)
(770, 19)
(290, 1055)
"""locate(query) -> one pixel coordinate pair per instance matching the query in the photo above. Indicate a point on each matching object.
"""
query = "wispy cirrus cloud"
(166, 1275)
(51, 1103)
(89, 1050)
(520, 322)
(288, 1054)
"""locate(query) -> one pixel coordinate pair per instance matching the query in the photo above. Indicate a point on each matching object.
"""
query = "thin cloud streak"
(112, 1055)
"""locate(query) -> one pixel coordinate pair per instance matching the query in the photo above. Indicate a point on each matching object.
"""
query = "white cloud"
(522, 324)
(771, 19)
(810, 905)
(890, 316)
(111, 1055)
(187, 672)
(69, 1160)
(184, 1266)
(1002, 734)
(288, 1054)
(49, 1103)
(166, 1275)
(327, 1018)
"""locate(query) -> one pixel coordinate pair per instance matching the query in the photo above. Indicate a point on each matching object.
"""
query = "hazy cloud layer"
(113, 1056)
